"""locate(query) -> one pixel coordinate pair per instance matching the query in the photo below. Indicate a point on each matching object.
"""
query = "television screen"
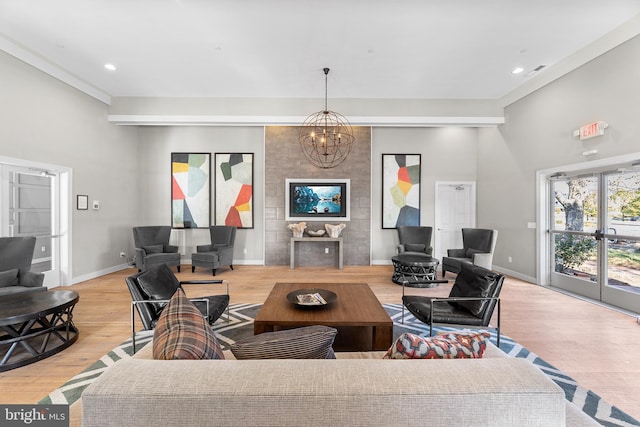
(317, 199)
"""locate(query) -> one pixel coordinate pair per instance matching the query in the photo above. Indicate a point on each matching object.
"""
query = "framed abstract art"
(234, 189)
(400, 190)
(190, 190)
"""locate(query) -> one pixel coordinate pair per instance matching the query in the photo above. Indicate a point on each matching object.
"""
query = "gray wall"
(44, 120)
(538, 134)
(154, 202)
(447, 154)
(284, 159)
(127, 168)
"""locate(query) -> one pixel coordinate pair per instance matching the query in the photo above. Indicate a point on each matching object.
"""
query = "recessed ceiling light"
(110, 67)
(517, 70)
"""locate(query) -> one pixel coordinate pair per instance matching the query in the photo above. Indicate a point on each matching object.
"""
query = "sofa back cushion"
(182, 332)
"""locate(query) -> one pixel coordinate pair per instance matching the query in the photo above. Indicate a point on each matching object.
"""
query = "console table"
(34, 326)
(337, 240)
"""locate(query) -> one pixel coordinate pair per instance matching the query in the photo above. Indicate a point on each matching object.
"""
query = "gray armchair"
(415, 240)
(478, 247)
(153, 248)
(219, 253)
(16, 254)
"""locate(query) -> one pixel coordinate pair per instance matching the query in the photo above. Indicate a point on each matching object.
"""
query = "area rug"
(240, 325)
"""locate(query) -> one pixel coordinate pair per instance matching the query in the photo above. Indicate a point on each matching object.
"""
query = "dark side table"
(419, 271)
(35, 326)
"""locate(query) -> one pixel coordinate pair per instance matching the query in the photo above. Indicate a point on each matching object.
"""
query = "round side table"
(416, 269)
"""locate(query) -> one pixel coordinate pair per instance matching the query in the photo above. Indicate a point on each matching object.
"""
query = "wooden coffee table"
(361, 321)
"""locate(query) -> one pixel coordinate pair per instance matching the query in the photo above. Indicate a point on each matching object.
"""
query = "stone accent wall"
(284, 159)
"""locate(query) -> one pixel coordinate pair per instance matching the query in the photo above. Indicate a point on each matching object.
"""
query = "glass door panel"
(574, 231)
(622, 240)
(595, 236)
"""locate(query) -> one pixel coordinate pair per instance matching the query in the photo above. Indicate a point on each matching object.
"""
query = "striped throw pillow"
(309, 342)
(182, 332)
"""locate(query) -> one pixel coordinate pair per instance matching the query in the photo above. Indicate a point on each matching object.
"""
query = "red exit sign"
(591, 129)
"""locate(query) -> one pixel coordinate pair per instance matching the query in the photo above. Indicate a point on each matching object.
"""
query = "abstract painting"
(234, 189)
(190, 190)
(400, 190)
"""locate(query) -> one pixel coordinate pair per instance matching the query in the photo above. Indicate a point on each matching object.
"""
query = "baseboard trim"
(515, 274)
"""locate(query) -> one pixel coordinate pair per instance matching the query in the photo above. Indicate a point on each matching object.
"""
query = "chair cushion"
(182, 332)
(153, 249)
(414, 247)
(410, 346)
(158, 282)
(9, 278)
(470, 252)
(310, 342)
(474, 282)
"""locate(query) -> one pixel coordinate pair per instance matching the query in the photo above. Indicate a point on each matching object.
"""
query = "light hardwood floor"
(597, 346)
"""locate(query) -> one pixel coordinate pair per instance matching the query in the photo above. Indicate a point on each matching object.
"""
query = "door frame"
(437, 220)
(543, 258)
(65, 175)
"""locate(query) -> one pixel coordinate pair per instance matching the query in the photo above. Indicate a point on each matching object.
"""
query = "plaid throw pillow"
(410, 346)
(182, 332)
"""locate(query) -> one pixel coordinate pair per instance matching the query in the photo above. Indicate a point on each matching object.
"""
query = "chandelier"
(326, 136)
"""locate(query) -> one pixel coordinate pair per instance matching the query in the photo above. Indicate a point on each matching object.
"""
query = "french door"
(595, 236)
(29, 206)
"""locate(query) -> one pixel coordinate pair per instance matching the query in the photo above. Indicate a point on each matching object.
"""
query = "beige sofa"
(358, 389)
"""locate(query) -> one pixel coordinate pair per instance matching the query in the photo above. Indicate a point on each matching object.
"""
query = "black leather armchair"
(153, 248)
(16, 254)
(470, 304)
(151, 290)
(415, 240)
(219, 253)
(478, 247)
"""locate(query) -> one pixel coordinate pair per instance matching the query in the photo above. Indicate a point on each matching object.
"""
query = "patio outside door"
(595, 236)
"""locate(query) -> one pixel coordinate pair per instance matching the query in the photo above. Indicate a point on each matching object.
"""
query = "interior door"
(455, 210)
(29, 205)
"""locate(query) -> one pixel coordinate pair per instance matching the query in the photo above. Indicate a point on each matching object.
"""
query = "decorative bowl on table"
(316, 233)
(311, 297)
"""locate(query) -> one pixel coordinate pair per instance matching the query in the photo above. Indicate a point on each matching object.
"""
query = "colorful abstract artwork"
(234, 189)
(190, 190)
(400, 190)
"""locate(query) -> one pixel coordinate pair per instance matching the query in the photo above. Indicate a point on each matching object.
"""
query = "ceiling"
(431, 49)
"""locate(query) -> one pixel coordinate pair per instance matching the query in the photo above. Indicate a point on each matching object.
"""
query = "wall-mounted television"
(317, 199)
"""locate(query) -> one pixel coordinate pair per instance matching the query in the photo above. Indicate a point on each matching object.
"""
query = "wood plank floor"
(598, 347)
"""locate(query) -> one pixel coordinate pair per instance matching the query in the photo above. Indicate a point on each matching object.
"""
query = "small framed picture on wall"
(82, 201)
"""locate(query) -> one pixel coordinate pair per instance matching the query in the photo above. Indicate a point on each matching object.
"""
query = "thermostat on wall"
(96, 204)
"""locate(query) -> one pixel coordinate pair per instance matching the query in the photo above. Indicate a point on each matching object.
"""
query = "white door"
(29, 205)
(455, 209)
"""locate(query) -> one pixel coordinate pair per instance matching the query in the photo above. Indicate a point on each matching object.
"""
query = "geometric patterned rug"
(240, 325)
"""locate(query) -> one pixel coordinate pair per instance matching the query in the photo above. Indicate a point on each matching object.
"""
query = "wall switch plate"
(531, 225)
(122, 255)
(326, 250)
(244, 251)
(96, 204)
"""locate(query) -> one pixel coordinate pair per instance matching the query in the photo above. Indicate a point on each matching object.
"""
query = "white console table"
(337, 240)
